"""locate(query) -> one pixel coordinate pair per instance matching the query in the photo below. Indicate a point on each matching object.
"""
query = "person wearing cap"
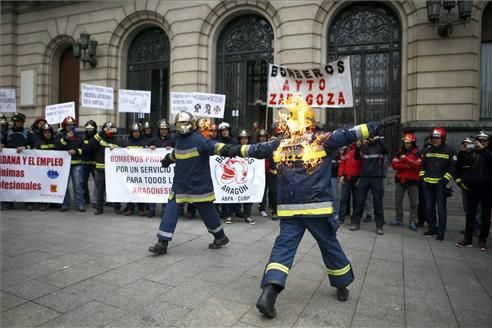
(147, 130)
(372, 173)
(45, 141)
(162, 139)
(407, 163)
(477, 181)
(104, 139)
(437, 169)
(245, 139)
(68, 140)
(88, 163)
(262, 136)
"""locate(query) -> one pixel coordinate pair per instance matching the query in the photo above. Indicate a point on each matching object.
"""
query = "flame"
(204, 127)
(300, 144)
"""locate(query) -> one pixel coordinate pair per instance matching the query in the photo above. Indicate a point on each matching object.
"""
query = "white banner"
(97, 97)
(7, 101)
(133, 101)
(55, 114)
(238, 180)
(136, 175)
(328, 86)
(198, 104)
(39, 176)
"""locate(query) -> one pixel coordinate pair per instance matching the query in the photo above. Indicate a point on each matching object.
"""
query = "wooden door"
(69, 79)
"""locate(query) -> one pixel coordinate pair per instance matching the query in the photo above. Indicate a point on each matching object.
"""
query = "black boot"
(342, 294)
(98, 211)
(160, 248)
(266, 302)
(218, 243)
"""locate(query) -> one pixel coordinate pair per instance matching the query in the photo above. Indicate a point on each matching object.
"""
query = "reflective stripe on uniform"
(277, 266)
(458, 180)
(48, 146)
(63, 142)
(437, 155)
(135, 147)
(361, 131)
(244, 150)
(186, 153)
(432, 180)
(273, 171)
(216, 229)
(448, 176)
(305, 209)
(165, 234)
(190, 198)
(338, 272)
(374, 156)
(421, 173)
(76, 161)
(99, 165)
(218, 146)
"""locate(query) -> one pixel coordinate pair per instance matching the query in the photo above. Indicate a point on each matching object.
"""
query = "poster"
(329, 86)
(238, 180)
(55, 114)
(95, 96)
(39, 176)
(198, 104)
(133, 101)
(136, 175)
(7, 100)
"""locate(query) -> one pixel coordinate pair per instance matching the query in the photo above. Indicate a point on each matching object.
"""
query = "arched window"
(244, 50)
(148, 69)
(486, 65)
(370, 34)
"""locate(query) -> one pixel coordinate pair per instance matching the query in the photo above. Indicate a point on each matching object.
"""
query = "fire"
(300, 144)
(204, 127)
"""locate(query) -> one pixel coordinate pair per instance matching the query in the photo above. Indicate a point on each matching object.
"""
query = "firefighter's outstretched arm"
(259, 150)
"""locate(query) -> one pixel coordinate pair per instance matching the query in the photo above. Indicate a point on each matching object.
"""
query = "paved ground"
(72, 269)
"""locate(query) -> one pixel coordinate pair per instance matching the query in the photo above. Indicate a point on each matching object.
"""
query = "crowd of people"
(358, 172)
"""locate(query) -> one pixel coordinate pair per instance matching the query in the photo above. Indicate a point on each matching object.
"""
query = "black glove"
(389, 121)
(448, 191)
(230, 151)
(167, 161)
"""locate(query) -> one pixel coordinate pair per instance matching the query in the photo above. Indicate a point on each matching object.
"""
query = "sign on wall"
(34, 175)
(7, 100)
(55, 114)
(237, 180)
(328, 86)
(95, 96)
(134, 101)
(198, 104)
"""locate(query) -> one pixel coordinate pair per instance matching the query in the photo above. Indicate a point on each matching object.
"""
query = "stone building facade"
(399, 62)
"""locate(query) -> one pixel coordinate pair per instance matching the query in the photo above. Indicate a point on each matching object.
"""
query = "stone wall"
(440, 76)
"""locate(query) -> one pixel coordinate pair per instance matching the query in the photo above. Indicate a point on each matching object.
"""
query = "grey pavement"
(79, 270)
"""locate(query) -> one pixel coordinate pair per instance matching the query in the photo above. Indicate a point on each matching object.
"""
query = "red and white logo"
(234, 170)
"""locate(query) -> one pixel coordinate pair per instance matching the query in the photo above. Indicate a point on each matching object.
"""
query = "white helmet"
(224, 125)
(185, 123)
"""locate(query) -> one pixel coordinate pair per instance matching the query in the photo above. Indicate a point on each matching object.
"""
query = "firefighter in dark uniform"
(438, 168)
(88, 163)
(305, 202)
(68, 140)
(147, 130)
(262, 136)
(102, 140)
(136, 141)
(4, 126)
(35, 131)
(192, 183)
(45, 141)
(163, 139)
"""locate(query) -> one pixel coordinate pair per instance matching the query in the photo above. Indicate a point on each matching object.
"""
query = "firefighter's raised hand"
(167, 161)
(389, 121)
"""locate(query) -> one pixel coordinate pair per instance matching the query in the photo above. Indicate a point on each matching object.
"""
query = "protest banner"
(55, 114)
(133, 101)
(7, 100)
(97, 97)
(328, 86)
(136, 175)
(237, 180)
(198, 104)
(39, 176)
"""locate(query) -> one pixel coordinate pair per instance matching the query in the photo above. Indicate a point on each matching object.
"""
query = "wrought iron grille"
(244, 50)
(148, 69)
(370, 34)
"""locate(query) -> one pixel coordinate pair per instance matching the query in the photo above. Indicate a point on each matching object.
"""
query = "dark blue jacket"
(301, 191)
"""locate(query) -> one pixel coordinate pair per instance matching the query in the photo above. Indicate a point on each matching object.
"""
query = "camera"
(470, 146)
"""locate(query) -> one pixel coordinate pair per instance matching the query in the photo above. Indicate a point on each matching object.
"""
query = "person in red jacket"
(407, 163)
(348, 173)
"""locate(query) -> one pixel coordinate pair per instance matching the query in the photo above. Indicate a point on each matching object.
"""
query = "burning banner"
(328, 86)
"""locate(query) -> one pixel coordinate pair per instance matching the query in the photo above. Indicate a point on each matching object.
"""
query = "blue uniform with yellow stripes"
(192, 184)
(305, 202)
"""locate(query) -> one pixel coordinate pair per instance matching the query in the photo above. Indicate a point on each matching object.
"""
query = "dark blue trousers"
(170, 217)
(324, 231)
(375, 184)
(435, 195)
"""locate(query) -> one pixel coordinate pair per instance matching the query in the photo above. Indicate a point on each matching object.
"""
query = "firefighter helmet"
(438, 133)
(163, 124)
(3, 120)
(136, 127)
(90, 125)
(482, 136)
(244, 133)
(213, 127)
(67, 121)
(224, 125)
(19, 117)
(185, 123)
(109, 128)
(409, 137)
(147, 125)
(262, 133)
(47, 127)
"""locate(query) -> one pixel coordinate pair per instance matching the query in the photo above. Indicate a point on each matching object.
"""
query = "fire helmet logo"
(234, 170)
(53, 188)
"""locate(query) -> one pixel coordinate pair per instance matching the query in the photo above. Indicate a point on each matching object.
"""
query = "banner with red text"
(327, 86)
(136, 175)
(238, 180)
(39, 176)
